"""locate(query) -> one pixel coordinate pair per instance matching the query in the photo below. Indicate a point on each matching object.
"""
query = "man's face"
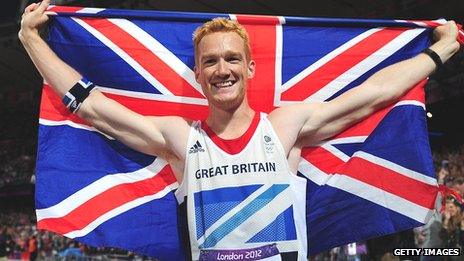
(222, 69)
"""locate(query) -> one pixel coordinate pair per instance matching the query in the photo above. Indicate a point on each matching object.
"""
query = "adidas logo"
(196, 148)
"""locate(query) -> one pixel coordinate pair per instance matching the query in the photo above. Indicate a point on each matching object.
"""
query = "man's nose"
(222, 68)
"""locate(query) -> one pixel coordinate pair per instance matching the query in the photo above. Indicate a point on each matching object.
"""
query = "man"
(236, 166)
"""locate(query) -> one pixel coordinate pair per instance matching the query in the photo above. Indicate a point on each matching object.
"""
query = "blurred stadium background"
(20, 89)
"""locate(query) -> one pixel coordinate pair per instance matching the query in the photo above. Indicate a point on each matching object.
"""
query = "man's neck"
(230, 124)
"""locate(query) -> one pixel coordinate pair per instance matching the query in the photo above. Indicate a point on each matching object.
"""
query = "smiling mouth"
(224, 84)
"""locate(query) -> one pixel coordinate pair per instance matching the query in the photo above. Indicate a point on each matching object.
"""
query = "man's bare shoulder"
(289, 121)
(174, 129)
(171, 121)
(293, 112)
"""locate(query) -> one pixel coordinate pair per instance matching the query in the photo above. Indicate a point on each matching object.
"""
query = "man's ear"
(251, 69)
(197, 73)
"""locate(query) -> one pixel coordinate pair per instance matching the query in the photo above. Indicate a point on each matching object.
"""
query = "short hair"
(220, 24)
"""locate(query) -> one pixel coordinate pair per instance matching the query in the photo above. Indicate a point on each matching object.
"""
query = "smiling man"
(238, 188)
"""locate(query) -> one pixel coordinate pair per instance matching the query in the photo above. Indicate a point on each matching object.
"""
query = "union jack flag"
(373, 179)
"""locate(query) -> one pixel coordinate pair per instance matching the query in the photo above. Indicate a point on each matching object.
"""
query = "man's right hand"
(448, 32)
(446, 44)
(34, 17)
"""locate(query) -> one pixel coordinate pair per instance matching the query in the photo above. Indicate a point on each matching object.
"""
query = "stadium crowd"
(20, 240)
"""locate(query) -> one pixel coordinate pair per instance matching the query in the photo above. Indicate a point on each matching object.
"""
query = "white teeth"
(223, 84)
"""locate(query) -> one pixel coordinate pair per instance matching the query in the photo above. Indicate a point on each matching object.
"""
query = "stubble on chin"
(228, 104)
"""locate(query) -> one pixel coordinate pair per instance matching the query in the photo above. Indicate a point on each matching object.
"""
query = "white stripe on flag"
(81, 196)
(119, 210)
(336, 152)
(159, 50)
(72, 124)
(366, 191)
(155, 97)
(380, 197)
(365, 65)
(312, 172)
(90, 10)
(278, 64)
(352, 139)
(396, 168)
(133, 63)
(303, 74)
(423, 24)
(410, 102)
(233, 17)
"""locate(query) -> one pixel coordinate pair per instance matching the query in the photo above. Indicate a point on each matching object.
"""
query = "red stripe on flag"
(367, 126)
(263, 44)
(383, 178)
(64, 9)
(434, 24)
(257, 20)
(417, 93)
(161, 108)
(329, 163)
(53, 109)
(340, 64)
(388, 180)
(322, 159)
(149, 61)
(112, 198)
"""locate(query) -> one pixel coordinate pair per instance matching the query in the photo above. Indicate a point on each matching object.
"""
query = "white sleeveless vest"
(242, 198)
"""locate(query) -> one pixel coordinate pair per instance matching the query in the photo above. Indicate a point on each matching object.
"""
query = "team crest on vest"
(268, 144)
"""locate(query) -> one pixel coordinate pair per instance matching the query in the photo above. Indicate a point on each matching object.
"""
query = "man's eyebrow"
(232, 53)
(207, 56)
(228, 53)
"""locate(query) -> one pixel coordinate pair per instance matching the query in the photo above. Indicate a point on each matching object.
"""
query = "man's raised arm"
(312, 123)
(150, 135)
